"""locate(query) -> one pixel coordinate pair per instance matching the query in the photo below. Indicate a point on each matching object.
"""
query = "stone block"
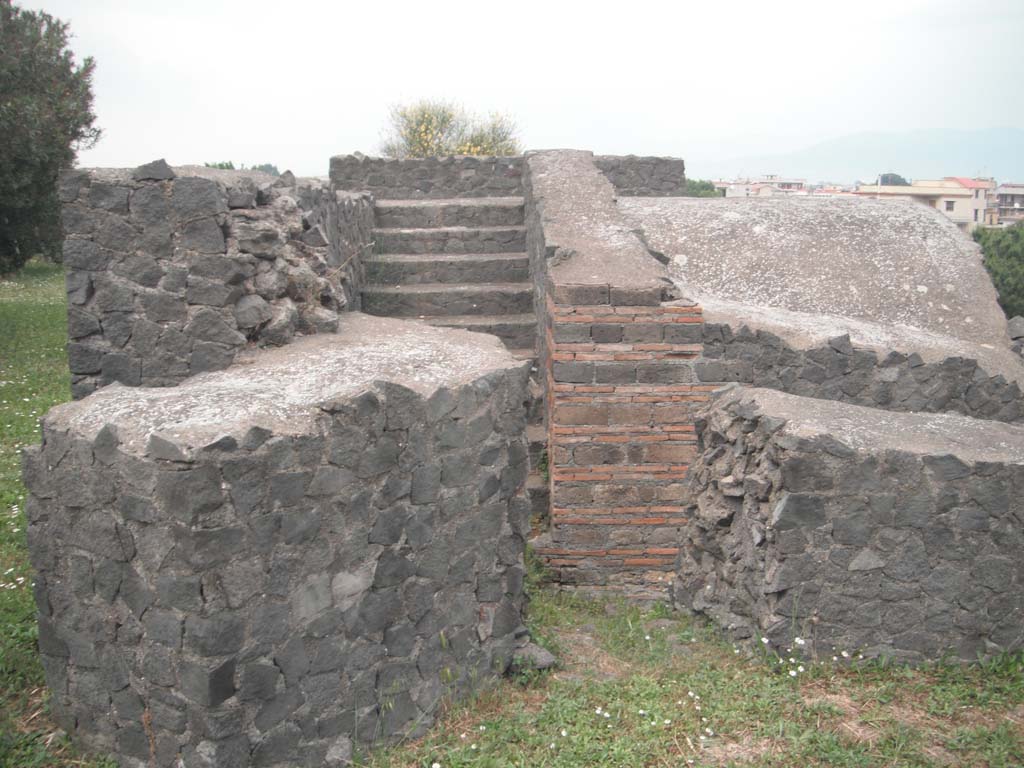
(153, 243)
(856, 514)
(157, 170)
(242, 585)
(194, 197)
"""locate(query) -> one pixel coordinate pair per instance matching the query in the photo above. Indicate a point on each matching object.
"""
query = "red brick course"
(621, 400)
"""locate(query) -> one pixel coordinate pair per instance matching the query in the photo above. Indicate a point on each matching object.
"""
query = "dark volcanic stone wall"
(840, 371)
(893, 534)
(431, 177)
(268, 590)
(634, 176)
(170, 274)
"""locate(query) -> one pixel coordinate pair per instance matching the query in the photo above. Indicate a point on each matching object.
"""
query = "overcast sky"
(294, 83)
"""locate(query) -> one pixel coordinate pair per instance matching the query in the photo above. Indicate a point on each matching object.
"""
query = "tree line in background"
(1004, 259)
(892, 180)
(700, 188)
(46, 116)
(227, 165)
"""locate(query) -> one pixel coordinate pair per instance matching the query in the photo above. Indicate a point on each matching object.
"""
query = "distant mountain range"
(927, 154)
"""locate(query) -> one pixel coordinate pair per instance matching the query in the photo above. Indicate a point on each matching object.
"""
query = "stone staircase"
(460, 263)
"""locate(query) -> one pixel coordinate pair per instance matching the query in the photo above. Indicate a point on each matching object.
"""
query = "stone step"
(517, 331)
(447, 299)
(460, 212)
(410, 268)
(509, 239)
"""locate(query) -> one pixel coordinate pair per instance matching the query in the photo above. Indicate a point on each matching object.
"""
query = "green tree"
(440, 129)
(46, 116)
(893, 180)
(223, 165)
(700, 188)
(267, 168)
(1004, 259)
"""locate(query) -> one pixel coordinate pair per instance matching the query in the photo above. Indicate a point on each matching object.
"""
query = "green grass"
(666, 681)
(33, 378)
(638, 666)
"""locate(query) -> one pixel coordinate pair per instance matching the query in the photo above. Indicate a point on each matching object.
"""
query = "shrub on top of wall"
(440, 129)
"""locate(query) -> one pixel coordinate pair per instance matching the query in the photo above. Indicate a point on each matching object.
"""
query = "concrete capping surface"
(888, 262)
(593, 256)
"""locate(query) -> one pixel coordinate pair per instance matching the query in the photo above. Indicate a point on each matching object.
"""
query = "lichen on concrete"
(285, 389)
(886, 262)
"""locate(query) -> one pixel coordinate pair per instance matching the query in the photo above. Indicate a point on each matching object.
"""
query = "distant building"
(1010, 199)
(763, 186)
(969, 203)
(784, 184)
(984, 206)
(833, 190)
